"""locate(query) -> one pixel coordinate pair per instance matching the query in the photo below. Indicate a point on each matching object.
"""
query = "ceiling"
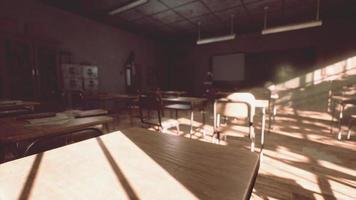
(180, 18)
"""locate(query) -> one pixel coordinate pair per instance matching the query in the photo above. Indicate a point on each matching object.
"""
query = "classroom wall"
(321, 46)
(87, 40)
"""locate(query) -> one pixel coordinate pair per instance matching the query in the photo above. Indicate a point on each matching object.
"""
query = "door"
(46, 59)
(20, 75)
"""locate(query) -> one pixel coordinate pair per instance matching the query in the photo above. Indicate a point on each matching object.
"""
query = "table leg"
(333, 107)
(252, 137)
(349, 131)
(191, 122)
(203, 116)
(269, 116)
(263, 127)
(340, 121)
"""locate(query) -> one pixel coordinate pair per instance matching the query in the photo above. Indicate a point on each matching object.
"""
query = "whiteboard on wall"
(230, 67)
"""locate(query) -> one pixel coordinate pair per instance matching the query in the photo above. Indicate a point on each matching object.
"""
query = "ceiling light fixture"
(230, 36)
(292, 27)
(128, 7)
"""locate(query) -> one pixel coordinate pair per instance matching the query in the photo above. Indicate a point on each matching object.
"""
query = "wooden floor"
(301, 160)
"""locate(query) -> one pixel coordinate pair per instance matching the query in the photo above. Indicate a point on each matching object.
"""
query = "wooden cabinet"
(29, 70)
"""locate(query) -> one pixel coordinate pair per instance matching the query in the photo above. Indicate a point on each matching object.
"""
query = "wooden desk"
(87, 113)
(19, 105)
(173, 93)
(110, 96)
(193, 102)
(14, 131)
(186, 103)
(103, 99)
(133, 164)
(340, 101)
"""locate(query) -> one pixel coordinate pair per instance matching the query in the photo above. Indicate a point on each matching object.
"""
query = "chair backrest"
(261, 93)
(236, 105)
(148, 103)
(246, 98)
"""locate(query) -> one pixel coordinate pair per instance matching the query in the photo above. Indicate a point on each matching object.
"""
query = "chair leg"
(339, 136)
(263, 127)
(217, 137)
(191, 122)
(350, 130)
(252, 137)
(178, 130)
(213, 138)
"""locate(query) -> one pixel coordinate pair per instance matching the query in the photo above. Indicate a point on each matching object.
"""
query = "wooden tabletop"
(111, 96)
(173, 92)
(18, 105)
(87, 113)
(14, 130)
(132, 164)
(194, 101)
(344, 100)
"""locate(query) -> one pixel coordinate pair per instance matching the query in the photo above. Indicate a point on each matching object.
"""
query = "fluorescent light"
(216, 39)
(292, 27)
(127, 7)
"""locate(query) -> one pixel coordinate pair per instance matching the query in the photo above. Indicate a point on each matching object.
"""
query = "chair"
(351, 121)
(151, 102)
(237, 109)
(263, 93)
(44, 144)
(49, 143)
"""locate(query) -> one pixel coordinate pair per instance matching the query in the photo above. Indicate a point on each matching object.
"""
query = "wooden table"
(87, 113)
(111, 96)
(186, 103)
(18, 105)
(133, 164)
(340, 101)
(173, 93)
(14, 131)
